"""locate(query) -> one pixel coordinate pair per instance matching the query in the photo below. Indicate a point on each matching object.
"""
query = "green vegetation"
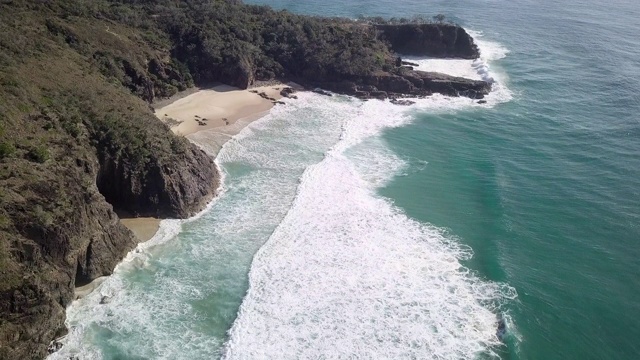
(38, 154)
(6, 149)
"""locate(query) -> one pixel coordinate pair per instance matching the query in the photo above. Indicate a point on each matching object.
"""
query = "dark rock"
(362, 95)
(402, 102)
(408, 63)
(378, 94)
(322, 92)
(482, 101)
(345, 87)
(367, 88)
(54, 346)
(287, 92)
(411, 83)
(501, 328)
(179, 186)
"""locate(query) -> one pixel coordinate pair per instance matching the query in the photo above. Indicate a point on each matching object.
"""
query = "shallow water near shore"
(368, 230)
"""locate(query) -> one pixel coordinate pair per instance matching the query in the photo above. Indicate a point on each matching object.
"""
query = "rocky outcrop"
(75, 236)
(409, 83)
(61, 245)
(435, 40)
(175, 188)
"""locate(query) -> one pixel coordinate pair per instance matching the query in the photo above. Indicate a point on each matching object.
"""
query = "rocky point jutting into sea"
(80, 142)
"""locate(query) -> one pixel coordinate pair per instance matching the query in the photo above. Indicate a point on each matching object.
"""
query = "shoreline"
(229, 110)
(217, 107)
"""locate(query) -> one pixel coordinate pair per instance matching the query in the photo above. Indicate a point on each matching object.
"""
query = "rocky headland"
(79, 141)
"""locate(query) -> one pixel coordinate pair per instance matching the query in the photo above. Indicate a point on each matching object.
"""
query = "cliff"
(74, 146)
(407, 83)
(79, 142)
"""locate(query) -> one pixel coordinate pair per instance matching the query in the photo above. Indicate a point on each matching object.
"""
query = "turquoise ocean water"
(365, 230)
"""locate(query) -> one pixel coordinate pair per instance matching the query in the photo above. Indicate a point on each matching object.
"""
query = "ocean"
(364, 230)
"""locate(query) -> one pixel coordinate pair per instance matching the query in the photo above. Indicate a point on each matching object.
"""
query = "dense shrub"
(6, 149)
(38, 154)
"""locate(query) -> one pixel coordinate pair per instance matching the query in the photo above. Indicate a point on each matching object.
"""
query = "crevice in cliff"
(109, 181)
(82, 277)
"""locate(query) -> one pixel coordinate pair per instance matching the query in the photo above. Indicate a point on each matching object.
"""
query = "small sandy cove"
(218, 107)
(224, 108)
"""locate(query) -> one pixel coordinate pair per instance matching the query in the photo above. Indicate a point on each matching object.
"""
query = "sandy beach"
(219, 113)
(143, 227)
(218, 107)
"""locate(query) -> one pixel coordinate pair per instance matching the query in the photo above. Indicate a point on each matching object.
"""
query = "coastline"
(218, 107)
(227, 109)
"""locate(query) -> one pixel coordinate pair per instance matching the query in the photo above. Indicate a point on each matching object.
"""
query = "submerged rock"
(402, 102)
(501, 328)
(322, 92)
(287, 92)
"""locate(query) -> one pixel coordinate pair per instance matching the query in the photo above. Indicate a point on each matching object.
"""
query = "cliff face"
(408, 83)
(173, 189)
(58, 228)
(58, 231)
(435, 40)
(74, 145)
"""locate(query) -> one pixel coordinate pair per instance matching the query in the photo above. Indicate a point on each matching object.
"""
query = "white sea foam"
(348, 275)
(478, 69)
(157, 300)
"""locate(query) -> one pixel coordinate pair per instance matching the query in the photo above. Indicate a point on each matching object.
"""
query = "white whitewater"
(348, 275)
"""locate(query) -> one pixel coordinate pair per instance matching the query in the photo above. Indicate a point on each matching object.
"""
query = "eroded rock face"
(86, 241)
(62, 231)
(72, 243)
(410, 83)
(174, 188)
(436, 40)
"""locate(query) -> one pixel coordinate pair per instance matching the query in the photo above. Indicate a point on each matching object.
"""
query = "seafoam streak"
(348, 275)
